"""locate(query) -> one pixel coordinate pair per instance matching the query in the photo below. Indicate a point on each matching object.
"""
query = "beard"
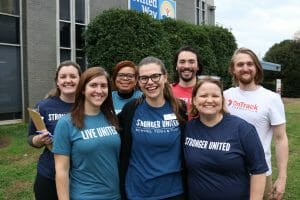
(187, 78)
(247, 80)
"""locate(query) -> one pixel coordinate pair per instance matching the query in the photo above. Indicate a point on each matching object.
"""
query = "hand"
(278, 189)
(42, 139)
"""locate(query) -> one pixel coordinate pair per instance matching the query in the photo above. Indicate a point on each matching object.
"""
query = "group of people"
(136, 136)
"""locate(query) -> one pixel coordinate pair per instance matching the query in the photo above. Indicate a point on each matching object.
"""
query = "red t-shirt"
(184, 93)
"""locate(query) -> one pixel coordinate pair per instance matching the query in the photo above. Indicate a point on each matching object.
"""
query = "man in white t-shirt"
(264, 109)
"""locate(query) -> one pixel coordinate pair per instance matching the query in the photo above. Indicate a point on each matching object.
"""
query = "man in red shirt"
(187, 63)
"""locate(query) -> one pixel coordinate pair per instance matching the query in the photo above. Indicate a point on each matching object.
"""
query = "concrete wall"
(39, 48)
(97, 6)
(186, 10)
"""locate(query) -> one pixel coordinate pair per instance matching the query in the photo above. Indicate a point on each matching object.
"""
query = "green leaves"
(286, 53)
(117, 35)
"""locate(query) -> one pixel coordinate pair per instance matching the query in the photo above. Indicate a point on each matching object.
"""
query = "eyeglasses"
(129, 76)
(201, 77)
(154, 78)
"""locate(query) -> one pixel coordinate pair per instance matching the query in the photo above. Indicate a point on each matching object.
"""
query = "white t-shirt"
(262, 108)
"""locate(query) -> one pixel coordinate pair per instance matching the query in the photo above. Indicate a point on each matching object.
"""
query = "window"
(72, 23)
(197, 12)
(10, 7)
(203, 12)
(10, 90)
(9, 29)
(10, 61)
(200, 12)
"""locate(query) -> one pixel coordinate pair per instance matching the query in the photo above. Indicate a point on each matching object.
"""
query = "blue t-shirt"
(94, 155)
(220, 159)
(52, 109)
(119, 101)
(154, 170)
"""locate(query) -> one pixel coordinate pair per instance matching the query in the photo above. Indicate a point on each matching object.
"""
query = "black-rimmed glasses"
(154, 78)
(129, 76)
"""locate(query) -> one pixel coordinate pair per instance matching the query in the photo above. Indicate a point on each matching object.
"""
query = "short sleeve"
(254, 152)
(277, 113)
(61, 138)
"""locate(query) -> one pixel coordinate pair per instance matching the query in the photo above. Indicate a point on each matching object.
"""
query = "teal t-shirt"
(94, 154)
(119, 101)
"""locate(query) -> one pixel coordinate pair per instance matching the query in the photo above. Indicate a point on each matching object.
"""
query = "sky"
(259, 24)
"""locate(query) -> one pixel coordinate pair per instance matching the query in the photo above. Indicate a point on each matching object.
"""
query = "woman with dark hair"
(224, 156)
(124, 80)
(86, 143)
(56, 104)
(151, 150)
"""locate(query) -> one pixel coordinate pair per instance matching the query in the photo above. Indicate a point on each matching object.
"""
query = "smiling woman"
(124, 80)
(57, 104)
(87, 139)
(151, 128)
(217, 144)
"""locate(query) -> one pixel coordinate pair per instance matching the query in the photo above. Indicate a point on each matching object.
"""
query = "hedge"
(117, 34)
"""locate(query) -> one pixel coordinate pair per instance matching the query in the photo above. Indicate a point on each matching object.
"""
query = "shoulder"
(269, 92)
(230, 90)
(193, 122)
(46, 102)
(114, 94)
(175, 86)
(233, 120)
(131, 106)
(66, 118)
(269, 96)
(137, 93)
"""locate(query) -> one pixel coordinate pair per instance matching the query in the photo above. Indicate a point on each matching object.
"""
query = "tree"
(286, 53)
(297, 36)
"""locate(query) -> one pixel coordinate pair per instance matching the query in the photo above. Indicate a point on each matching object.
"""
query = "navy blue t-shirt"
(154, 170)
(52, 109)
(220, 159)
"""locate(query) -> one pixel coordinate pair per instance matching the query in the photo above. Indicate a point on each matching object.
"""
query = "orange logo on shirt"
(240, 105)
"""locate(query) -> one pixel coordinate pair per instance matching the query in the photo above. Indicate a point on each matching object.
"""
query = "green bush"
(223, 46)
(116, 35)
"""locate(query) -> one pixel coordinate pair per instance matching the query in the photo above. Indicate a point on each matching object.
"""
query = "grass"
(293, 130)
(18, 160)
(17, 163)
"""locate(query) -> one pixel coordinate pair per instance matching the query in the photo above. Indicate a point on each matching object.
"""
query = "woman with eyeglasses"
(151, 126)
(223, 154)
(124, 81)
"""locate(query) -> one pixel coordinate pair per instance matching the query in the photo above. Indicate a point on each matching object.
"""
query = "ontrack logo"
(240, 105)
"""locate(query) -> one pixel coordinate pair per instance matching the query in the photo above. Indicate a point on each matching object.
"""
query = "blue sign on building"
(158, 9)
